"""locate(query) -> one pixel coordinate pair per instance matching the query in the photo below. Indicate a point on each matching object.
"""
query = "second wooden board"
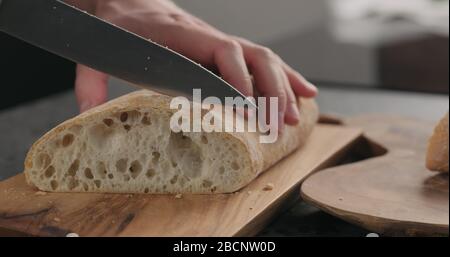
(393, 194)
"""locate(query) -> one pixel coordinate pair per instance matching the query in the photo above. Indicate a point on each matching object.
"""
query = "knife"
(83, 38)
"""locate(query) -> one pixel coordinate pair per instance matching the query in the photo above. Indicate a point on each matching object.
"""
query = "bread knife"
(83, 38)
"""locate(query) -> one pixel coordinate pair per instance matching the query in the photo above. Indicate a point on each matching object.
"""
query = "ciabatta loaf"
(437, 156)
(127, 146)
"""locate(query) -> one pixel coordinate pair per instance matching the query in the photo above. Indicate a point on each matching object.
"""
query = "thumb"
(90, 87)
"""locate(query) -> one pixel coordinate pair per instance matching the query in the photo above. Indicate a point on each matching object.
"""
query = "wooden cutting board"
(245, 213)
(393, 194)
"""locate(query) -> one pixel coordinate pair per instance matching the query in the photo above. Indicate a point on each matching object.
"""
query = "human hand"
(234, 58)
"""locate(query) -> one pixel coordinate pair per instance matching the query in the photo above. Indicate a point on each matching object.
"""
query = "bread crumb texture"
(127, 146)
(135, 151)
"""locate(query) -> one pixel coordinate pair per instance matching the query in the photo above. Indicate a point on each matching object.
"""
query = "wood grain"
(393, 194)
(241, 214)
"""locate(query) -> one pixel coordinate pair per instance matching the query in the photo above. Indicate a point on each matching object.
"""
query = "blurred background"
(401, 45)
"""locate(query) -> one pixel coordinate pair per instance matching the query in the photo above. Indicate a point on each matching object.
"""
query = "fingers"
(229, 58)
(233, 57)
(212, 48)
(258, 58)
(299, 84)
(292, 112)
(90, 87)
(269, 79)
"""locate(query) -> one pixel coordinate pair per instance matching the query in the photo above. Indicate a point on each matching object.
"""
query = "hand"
(235, 58)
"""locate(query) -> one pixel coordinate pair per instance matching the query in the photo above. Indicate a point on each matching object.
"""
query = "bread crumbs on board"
(269, 187)
(40, 193)
(178, 196)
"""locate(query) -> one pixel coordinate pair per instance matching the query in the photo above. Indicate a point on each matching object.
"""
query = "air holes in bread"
(88, 173)
(67, 140)
(73, 183)
(72, 171)
(221, 170)
(121, 165)
(49, 172)
(43, 161)
(135, 169)
(179, 140)
(54, 184)
(206, 183)
(108, 122)
(235, 166)
(204, 140)
(146, 120)
(156, 156)
(174, 179)
(124, 117)
(127, 127)
(98, 183)
(150, 173)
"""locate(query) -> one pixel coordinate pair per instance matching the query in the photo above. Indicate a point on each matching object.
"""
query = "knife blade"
(83, 38)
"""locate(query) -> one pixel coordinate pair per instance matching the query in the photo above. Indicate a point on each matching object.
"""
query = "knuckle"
(229, 45)
(291, 99)
(282, 96)
(265, 52)
(282, 99)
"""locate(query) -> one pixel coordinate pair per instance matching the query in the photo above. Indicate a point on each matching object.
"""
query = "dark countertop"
(21, 126)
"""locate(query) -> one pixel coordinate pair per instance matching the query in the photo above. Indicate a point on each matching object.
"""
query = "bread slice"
(127, 146)
(437, 156)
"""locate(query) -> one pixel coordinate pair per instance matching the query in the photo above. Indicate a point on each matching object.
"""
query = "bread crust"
(437, 156)
(261, 156)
